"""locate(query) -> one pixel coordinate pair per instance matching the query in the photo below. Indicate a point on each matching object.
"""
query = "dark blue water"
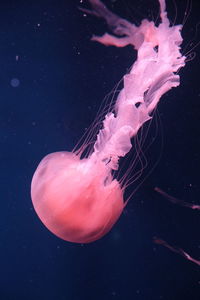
(52, 81)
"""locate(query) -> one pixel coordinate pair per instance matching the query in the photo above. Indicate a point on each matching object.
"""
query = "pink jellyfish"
(77, 198)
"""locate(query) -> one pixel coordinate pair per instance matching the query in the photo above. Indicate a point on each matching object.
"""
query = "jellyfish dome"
(76, 198)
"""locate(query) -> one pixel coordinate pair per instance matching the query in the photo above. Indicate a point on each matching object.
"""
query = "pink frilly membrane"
(78, 199)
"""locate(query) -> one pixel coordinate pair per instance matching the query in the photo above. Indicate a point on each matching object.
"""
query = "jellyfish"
(162, 242)
(78, 198)
(175, 200)
(177, 250)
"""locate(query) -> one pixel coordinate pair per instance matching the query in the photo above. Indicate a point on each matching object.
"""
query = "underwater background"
(52, 81)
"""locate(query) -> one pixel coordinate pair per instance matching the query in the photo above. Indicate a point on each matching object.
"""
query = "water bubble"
(15, 82)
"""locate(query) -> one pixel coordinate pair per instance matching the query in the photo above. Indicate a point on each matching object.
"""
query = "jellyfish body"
(78, 199)
(75, 199)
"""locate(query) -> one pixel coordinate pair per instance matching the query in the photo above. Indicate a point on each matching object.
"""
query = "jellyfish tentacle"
(176, 250)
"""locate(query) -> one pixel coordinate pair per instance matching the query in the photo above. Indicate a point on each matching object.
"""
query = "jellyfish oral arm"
(153, 74)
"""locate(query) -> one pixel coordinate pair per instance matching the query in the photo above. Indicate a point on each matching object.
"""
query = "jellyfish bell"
(75, 198)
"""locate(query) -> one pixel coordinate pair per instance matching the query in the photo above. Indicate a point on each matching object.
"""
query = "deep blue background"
(63, 78)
